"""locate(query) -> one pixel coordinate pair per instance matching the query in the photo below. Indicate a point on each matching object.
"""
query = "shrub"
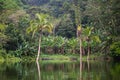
(115, 49)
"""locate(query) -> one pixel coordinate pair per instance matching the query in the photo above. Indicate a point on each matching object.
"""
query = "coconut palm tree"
(40, 24)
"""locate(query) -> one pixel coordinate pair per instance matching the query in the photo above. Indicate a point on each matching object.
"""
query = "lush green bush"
(53, 44)
(2, 53)
(115, 49)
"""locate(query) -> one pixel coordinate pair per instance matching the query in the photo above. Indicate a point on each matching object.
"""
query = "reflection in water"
(38, 67)
(81, 69)
(90, 70)
(88, 65)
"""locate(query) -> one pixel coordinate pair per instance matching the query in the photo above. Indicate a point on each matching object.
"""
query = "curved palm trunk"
(38, 55)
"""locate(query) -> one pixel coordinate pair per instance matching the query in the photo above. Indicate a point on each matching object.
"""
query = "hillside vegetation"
(98, 19)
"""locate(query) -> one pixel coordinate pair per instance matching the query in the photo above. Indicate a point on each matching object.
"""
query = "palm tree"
(40, 24)
(87, 32)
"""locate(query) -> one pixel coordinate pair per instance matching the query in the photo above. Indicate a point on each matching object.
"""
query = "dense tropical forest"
(65, 27)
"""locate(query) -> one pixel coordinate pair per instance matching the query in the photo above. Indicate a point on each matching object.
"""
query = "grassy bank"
(9, 58)
(52, 58)
(69, 57)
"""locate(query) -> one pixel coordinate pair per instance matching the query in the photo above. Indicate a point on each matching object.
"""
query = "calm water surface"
(93, 70)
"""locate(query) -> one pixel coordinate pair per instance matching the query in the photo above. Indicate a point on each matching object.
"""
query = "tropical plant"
(87, 33)
(115, 49)
(40, 24)
(3, 37)
(59, 41)
(90, 38)
(47, 41)
(72, 43)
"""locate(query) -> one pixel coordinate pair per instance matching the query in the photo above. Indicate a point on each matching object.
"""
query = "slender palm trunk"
(80, 49)
(39, 47)
(88, 56)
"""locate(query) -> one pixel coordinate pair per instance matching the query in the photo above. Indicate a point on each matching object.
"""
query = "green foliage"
(59, 41)
(2, 52)
(3, 37)
(2, 27)
(52, 41)
(84, 44)
(89, 37)
(3, 40)
(47, 41)
(2, 55)
(95, 40)
(87, 31)
(9, 4)
(115, 71)
(65, 27)
(7, 8)
(41, 24)
(115, 49)
(66, 16)
(72, 43)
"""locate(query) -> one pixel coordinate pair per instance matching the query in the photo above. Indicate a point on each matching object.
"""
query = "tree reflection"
(88, 67)
(80, 69)
(38, 68)
(85, 69)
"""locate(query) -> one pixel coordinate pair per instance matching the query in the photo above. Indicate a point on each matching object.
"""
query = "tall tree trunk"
(39, 47)
(80, 49)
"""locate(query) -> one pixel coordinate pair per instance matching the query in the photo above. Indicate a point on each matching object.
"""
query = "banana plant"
(47, 41)
(59, 41)
(40, 24)
(72, 43)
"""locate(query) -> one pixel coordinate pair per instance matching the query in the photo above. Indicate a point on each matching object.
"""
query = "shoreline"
(55, 58)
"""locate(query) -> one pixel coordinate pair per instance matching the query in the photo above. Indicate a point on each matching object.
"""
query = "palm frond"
(40, 24)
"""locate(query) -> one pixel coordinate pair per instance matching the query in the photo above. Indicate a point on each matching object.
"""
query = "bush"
(115, 49)
(2, 53)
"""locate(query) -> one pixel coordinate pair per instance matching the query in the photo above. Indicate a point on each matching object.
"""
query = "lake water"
(92, 70)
